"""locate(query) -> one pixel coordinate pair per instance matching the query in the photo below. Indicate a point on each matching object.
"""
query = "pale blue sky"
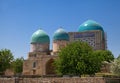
(20, 18)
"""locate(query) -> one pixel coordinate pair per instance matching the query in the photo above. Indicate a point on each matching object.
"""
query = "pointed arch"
(50, 69)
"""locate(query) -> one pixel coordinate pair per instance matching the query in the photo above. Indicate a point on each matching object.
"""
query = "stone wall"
(53, 80)
(58, 80)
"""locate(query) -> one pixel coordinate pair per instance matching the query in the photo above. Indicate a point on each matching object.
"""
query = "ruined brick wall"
(53, 80)
(60, 80)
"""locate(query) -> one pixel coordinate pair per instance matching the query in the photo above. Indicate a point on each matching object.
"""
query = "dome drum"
(39, 47)
(57, 45)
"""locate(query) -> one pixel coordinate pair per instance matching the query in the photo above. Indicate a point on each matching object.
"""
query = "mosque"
(40, 58)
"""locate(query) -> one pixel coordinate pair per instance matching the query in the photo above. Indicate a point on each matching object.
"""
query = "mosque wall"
(93, 38)
(39, 65)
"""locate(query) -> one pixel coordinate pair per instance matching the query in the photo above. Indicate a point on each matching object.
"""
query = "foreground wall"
(59, 80)
(52, 80)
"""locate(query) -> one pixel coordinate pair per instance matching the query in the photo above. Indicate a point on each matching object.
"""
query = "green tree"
(105, 55)
(17, 65)
(77, 58)
(6, 57)
(115, 66)
(93, 64)
(118, 56)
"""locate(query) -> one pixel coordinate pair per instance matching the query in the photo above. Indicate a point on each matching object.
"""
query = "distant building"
(92, 33)
(40, 58)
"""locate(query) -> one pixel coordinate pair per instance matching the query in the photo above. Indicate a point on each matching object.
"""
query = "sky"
(19, 19)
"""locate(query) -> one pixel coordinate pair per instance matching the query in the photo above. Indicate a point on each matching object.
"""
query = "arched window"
(34, 65)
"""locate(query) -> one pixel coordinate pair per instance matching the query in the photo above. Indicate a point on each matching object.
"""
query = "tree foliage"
(118, 56)
(17, 65)
(105, 55)
(77, 58)
(6, 57)
(115, 66)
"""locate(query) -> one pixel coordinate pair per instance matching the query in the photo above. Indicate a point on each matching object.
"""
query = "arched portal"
(50, 69)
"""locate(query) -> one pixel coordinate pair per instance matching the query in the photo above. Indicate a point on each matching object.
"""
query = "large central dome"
(90, 25)
(40, 36)
(60, 34)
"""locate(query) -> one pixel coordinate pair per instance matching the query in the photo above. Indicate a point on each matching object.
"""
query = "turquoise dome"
(60, 34)
(90, 25)
(40, 36)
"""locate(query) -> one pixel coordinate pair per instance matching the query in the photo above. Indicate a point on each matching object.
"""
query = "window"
(34, 72)
(34, 64)
(34, 55)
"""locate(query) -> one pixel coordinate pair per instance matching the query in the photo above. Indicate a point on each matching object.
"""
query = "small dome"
(40, 37)
(90, 25)
(60, 34)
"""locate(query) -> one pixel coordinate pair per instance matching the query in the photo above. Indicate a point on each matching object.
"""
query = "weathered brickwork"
(60, 80)
(53, 80)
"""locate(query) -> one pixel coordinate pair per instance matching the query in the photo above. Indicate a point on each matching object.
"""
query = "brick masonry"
(58, 80)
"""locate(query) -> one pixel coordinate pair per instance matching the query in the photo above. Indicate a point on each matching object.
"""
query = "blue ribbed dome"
(90, 25)
(40, 36)
(60, 34)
